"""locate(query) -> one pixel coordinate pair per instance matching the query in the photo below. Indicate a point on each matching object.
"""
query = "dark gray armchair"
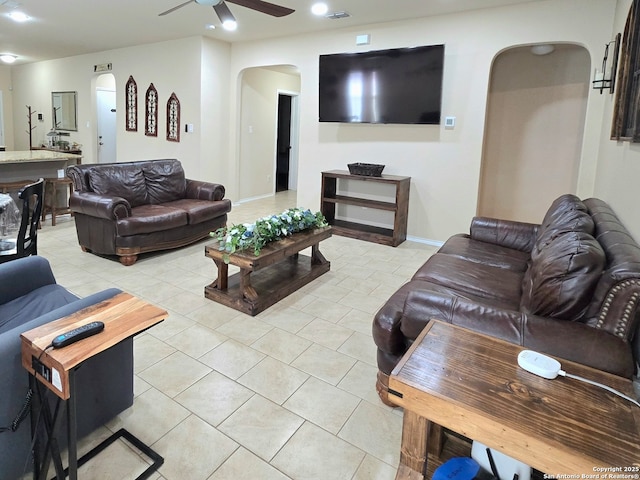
(30, 297)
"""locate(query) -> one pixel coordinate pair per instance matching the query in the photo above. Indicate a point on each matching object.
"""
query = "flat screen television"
(401, 85)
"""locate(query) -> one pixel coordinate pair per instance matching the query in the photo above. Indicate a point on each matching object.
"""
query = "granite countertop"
(34, 156)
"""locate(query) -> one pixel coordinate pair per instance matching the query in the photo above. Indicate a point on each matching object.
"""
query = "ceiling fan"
(225, 15)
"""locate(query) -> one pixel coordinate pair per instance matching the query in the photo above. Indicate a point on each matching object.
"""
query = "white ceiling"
(63, 28)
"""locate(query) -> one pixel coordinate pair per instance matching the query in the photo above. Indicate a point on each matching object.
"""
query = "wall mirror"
(64, 111)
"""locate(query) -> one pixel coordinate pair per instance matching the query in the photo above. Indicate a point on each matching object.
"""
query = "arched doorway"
(535, 120)
(262, 124)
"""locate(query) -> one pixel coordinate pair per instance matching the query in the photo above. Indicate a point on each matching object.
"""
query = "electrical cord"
(606, 387)
(26, 406)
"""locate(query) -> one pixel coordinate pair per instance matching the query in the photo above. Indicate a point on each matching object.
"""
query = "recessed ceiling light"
(230, 25)
(210, 26)
(8, 58)
(17, 16)
(542, 49)
(319, 8)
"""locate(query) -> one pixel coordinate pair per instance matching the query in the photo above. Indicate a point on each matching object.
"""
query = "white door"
(106, 100)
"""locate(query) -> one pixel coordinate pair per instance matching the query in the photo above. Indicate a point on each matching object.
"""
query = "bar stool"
(51, 186)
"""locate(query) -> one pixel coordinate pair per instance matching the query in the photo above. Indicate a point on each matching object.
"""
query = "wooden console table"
(123, 316)
(398, 205)
(253, 289)
(472, 384)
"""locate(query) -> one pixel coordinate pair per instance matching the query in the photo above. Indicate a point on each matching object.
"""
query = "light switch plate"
(449, 122)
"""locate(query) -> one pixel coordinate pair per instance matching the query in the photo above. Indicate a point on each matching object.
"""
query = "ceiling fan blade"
(264, 7)
(176, 8)
(223, 12)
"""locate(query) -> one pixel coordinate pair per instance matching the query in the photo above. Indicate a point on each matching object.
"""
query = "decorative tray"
(366, 169)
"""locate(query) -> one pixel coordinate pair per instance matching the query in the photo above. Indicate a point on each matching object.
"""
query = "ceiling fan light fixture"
(18, 16)
(319, 8)
(230, 25)
(208, 3)
(8, 58)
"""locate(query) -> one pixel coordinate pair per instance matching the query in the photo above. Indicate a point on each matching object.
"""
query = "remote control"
(76, 334)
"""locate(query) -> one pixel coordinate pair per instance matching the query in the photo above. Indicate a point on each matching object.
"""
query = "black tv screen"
(401, 85)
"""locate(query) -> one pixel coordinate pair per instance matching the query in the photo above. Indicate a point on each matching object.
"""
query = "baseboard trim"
(425, 241)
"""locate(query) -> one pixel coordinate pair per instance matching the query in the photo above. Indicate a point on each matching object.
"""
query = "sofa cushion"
(199, 211)
(487, 253)
(562, 276)
(150, 219)
(165, 181)
(126, 182)
(567, 214)
(471, 278)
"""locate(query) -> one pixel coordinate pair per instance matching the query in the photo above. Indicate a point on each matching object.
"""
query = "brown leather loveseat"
(569, 287)
(130, 208)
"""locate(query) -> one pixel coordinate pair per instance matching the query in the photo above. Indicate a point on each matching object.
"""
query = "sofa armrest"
(23, 275)
(579, 343)
(198, 190)
(437, 303)
(506, 233)
(572, 341)
(15, 447)
(101, 206)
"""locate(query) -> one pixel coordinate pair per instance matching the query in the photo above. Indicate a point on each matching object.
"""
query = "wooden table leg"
(435, 442)
(413, 451)
(222, 282)
(248, 292)
(316, 256)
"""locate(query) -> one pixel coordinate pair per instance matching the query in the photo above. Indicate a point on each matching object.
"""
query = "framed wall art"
(173, 118)
(151, 112)
(131, 105)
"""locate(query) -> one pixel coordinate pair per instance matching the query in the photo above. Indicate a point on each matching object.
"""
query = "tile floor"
(289, 393)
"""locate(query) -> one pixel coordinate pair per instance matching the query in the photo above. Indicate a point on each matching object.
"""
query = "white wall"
(444, 164)
(214, 132)
(618, 170)
(7, 105)
(175, 66)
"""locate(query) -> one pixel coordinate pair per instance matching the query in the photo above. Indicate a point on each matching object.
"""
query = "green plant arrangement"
(267, 229)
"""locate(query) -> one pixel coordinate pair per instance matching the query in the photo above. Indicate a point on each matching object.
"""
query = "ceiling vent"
(338, 15)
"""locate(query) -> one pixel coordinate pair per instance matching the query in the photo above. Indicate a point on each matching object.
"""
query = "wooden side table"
(397, 205)
(472, 384)
(123, 316)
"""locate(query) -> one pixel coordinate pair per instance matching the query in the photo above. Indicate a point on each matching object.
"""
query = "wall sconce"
(600, 80)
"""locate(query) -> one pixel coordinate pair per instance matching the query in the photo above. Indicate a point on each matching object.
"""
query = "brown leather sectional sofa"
(569, 287)
(130, 208)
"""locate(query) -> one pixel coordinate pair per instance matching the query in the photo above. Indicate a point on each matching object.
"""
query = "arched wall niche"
(535, 119)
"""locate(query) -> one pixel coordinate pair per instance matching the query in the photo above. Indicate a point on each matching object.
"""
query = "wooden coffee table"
(472, 384)
(255, 288)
